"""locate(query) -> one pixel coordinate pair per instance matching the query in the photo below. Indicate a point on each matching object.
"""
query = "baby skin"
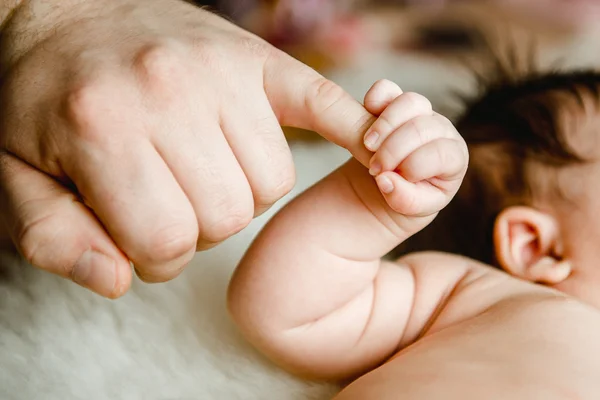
(314, 295)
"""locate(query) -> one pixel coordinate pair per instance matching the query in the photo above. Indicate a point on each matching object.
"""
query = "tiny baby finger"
(445, 159)
(410, 199)
(404, 108)
(379, 97)
(405, 140)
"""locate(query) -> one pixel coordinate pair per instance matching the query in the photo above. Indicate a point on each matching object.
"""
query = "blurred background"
(429, 46)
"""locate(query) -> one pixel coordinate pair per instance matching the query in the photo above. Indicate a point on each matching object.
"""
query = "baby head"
(530, 202)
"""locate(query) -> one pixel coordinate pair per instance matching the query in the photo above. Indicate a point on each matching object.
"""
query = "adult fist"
(144, 130)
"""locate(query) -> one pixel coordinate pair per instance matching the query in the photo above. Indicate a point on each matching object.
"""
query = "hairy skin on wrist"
(37, 22)
(28, 23)
(7, 8)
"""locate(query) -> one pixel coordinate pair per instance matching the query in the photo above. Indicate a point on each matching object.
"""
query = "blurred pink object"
(333, 21)
(562, 12)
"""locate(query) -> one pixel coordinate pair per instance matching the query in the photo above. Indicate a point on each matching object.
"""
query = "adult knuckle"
(267, 129)
(29, 240)
(171, 243)
(226, 223)
(279, 176)
(275, 187)
(286, 182)
(324, 94)
(161, 273)
(86, 106)
(37, 242)
(160, 65)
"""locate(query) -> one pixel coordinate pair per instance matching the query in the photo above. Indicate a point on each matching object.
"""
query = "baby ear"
(528, 243)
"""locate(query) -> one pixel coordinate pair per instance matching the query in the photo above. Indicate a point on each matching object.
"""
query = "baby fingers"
(406, 139)
(410, 199)
(427, 179)
(441, 162)
(404, 108)
(380, 96)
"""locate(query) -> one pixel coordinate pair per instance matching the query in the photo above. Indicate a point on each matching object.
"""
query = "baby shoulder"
(455, 289)
(468, 278)
(446, 262)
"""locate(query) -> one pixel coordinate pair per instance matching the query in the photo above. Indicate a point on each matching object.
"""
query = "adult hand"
(144, 130)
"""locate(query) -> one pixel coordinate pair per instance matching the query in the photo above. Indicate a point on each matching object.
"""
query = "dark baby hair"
(513, 121)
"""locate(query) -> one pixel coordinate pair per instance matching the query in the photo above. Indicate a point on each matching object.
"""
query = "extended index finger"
(303, 98)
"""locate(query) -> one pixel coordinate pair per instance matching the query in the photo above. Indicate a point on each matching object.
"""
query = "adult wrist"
(27, 23)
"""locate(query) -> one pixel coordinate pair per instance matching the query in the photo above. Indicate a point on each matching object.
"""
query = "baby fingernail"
(371, 140)
(385, 184)
(375, 168)
(96, 272)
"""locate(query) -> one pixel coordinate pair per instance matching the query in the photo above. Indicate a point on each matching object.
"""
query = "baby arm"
(312, 292)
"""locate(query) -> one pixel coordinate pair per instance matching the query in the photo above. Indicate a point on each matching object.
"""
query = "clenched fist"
(143, 130)
(419, 158)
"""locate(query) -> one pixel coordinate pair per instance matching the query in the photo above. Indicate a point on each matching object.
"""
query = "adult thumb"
(54, 231)
(302, 98)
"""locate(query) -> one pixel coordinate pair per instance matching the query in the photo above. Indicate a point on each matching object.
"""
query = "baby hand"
(420, 158)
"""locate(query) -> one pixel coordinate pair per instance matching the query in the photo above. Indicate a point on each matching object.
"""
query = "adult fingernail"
(96, 272)
(371, 140)
(375, 168)
(385, 184)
